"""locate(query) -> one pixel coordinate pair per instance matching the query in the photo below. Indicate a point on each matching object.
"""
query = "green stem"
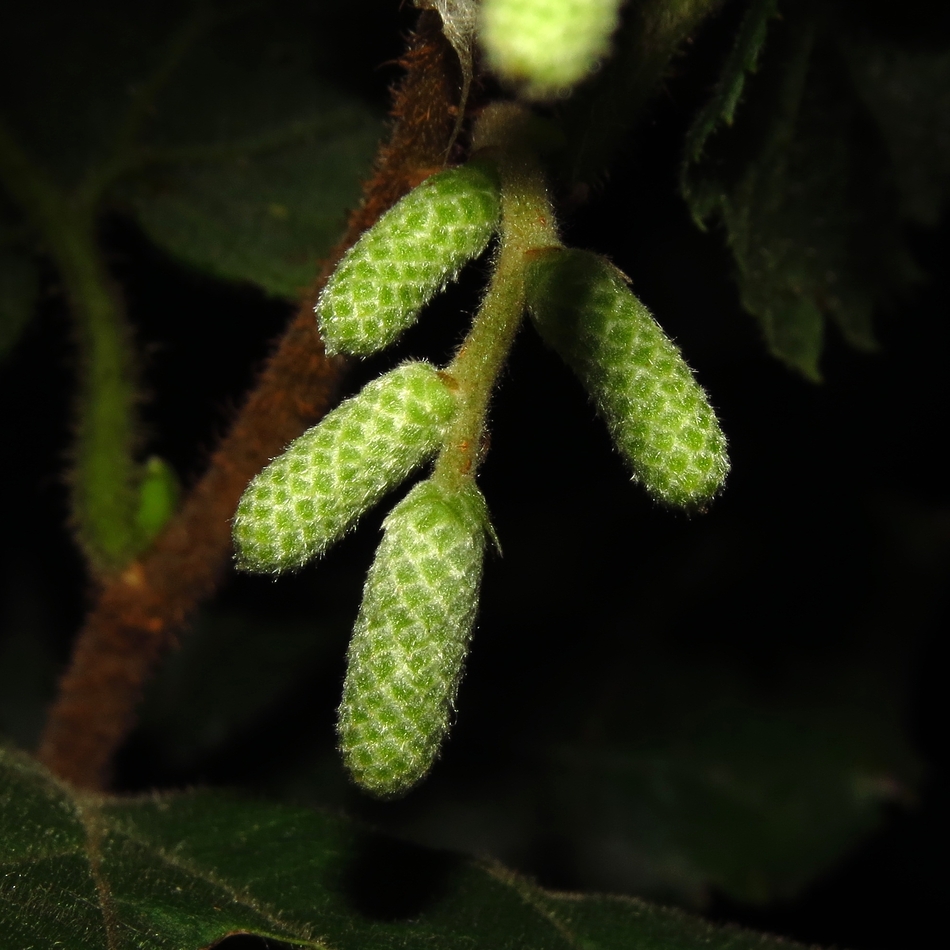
(105, 475)
(527, 225)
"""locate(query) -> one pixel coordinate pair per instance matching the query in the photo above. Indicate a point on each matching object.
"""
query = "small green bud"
(411, 637)
(546, 46)
(158, 497)
(409, 255)
(659, 416)
(308, 497)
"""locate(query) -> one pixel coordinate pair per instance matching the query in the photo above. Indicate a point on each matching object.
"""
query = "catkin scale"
(546, 46)
(308, 497)
(658, 415)
(409, 255)
(411, 636)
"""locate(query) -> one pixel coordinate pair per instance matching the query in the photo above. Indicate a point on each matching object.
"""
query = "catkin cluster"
(421, 594)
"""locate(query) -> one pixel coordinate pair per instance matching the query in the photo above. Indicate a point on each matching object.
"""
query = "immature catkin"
(659, 416)
(411, 637)
(546, 46)
(308, 497)
(409, 255)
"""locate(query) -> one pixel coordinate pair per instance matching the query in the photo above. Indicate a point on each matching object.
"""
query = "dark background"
(828, 549)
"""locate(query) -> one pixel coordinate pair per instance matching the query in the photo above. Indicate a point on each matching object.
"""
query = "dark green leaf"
(29, 660)
(266, 218)
(908, 93)
(252, 160)
(742, 60)
(599, 114)
(19, 288)
(216, 129)
(803, 188)
(183, 871)
(70, 75)
(681, 781)
(753, 802)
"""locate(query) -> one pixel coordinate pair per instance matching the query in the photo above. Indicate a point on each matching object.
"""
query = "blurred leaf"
(183, 871)
(70, 75)
(258, 159)
(686, 778)
(743, 59)
(214, 128)
(19, 289)
(803, 186)
(600, 112)
(908, 93)
(749, 800)
(230, 671)
(268, 218)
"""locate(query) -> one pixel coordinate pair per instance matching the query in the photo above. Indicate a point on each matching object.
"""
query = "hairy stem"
(527, 224)
(136, 616)
(104, 474)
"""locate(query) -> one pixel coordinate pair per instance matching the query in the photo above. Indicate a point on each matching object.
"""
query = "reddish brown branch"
(137, 614)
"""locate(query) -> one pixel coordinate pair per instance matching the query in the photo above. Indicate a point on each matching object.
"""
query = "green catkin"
(546, 46)
(659, 416)
(411, 637)
(409, 255)
(308, 497)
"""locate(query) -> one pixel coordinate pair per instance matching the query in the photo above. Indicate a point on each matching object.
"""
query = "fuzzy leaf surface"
(183, 871)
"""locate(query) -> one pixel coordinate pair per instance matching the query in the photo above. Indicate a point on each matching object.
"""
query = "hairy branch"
(137, 615)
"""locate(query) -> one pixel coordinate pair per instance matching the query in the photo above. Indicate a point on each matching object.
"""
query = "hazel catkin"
(410, 254)
(411, 636)
(546, 46)
(659, 416)
(308, 497)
